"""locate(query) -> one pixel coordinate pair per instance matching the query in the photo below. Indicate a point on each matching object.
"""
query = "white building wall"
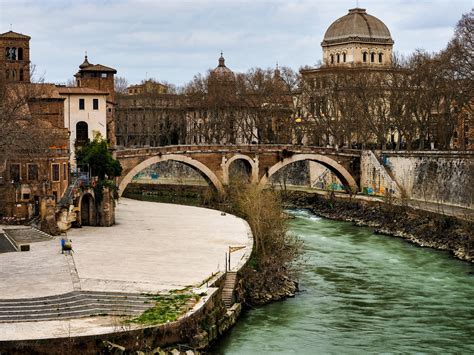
(96, 119)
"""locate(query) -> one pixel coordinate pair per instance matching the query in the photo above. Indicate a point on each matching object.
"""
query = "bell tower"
(15, 57)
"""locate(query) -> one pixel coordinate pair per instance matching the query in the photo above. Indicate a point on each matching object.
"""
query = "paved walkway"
(153, 247)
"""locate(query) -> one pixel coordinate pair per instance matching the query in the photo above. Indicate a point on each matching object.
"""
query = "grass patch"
(167, 308)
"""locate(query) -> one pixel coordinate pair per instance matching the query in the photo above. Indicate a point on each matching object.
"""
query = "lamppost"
(299, 136)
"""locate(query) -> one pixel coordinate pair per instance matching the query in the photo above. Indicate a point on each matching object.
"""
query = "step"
(61, 307)
(71, 301)
(73, 295)
(73, 305)
(71, 314)
(93, 309)
(53, 317)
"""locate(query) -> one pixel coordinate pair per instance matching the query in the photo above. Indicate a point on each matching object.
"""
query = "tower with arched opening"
(15, 57)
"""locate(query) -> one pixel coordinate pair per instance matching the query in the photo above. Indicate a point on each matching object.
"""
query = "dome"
(221, 72)
(85, 64)
(357, 26)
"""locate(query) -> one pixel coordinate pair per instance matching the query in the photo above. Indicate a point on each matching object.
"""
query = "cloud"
(175, 39)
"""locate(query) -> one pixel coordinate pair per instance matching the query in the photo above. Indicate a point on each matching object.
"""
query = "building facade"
(42, 125)
(85, 116)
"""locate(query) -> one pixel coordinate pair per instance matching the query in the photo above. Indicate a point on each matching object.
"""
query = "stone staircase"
(73, 305)
(228, 289)
(67, 198)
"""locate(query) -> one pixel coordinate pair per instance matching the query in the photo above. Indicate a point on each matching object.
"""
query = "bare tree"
(120, 85)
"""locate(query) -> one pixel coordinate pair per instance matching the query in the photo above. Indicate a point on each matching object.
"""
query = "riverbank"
(426, 229)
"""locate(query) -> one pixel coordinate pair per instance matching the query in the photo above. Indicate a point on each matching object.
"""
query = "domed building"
(338, 98)
(357, 38)
(221, 72)
(221, 82)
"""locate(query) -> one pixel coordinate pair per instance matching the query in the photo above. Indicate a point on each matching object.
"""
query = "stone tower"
(15, 57)
(96, 76)
(100, 77)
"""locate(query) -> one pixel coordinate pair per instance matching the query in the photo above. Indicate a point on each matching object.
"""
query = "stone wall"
(434, 177)
(375, 177)
(292, 174)
(169, 172)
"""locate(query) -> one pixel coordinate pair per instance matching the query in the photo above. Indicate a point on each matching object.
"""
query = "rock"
(114, 348)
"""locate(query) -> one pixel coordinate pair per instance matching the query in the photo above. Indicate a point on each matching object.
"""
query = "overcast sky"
(172, 40)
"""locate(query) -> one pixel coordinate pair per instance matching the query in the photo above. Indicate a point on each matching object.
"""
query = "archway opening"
(88, 211)
(240, 170)
(338, 177)
(294, 174)
(178, 170)
(82, 133)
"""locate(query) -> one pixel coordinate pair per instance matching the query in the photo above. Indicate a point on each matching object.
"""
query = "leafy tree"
(100, 160)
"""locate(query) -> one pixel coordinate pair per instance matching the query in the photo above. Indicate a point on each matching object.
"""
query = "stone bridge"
(213, 162)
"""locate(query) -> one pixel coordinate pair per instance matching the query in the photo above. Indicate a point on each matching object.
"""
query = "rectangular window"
(55, 172)
(81, 104)
(15, 172)
(103, 75)
(32, 173)
(26, 196)
(65, 171)
(95, 104)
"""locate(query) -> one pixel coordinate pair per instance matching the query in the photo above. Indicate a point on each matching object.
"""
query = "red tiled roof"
(98, 67)
(84, 91)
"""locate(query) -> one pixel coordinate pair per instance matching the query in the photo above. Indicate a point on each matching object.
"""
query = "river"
(363, 293)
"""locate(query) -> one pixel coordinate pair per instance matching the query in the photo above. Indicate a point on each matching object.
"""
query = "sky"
(173, 40)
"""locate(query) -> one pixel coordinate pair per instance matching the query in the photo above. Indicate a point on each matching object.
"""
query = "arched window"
(332, 58)
(338, 57)
(21, 75)
(82, 133)
(10, 53)
(380, 57)
(20, 53)
(344, 57)
(372, 57)
(14, 74)
(364, 57)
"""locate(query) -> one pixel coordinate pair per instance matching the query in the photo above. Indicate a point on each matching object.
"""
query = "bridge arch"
(253, 167)
(346, 178)
(206, 173)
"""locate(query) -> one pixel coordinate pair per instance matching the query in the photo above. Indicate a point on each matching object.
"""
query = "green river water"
(363, 293)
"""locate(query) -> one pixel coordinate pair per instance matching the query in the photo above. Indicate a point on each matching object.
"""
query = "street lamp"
(299, 137)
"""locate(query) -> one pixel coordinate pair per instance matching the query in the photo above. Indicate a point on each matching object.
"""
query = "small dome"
(222, 72)
(85, 64)
(357, 26)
